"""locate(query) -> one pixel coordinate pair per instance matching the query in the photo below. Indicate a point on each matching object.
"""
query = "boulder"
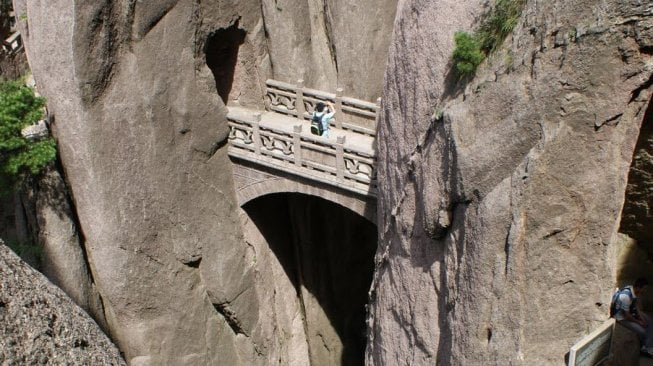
(40, 324)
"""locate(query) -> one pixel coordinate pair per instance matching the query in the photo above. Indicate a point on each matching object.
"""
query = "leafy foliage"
(467, 55)
(19, 157)
(499, 24)
(471, 49)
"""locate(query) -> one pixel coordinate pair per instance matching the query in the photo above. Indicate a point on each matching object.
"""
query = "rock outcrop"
(138, 93)
(498, 221)
(39, 324)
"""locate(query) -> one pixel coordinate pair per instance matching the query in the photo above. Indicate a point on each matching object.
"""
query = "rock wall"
(39, 324)
(141, 131)
(330, 43)
(497, 221)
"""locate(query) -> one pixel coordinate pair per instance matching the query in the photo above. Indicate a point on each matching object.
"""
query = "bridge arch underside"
(314, 253)
(253, 181)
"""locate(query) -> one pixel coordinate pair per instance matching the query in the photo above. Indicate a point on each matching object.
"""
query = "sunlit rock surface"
(496, 221)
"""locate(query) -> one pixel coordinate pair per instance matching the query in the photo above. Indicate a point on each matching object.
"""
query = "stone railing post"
(338, 106)
(340, 158)
(297, 144)
(256, 133)
(299, 99)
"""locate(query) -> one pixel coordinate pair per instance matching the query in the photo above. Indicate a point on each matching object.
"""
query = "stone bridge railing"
(297, 152)
(353, 115)
(348, 161)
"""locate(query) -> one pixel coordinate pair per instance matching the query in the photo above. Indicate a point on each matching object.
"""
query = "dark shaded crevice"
(637, 211)
(299, 283)
(635, 242)
(612, 121)
(217, 146)
(327, 253)
(96, 42)
(221, 51)
(230, 317)
(553, 233)
(507, 248)
(328, 31)
(647, 50)
(74, 217)
(193, 263)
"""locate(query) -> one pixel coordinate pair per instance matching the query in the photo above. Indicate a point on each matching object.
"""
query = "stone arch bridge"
(273, 151)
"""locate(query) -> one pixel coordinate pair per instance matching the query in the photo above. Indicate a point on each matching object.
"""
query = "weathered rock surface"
(142, 138)
(497, 221)
(39, 324)
(53, 224)
(330, 43)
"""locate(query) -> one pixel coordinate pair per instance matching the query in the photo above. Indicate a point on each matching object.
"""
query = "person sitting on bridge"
(324, 116)
(627, 311)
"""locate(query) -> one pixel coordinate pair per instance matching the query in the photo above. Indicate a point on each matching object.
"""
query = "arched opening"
(636, 231)
(326, 252)
(221, 52)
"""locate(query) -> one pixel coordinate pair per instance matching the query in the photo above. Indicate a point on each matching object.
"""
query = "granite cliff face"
(499, 221)
(138, 93)
(500, 195)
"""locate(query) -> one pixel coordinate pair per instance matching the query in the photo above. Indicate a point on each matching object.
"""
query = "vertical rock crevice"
(221, 51)
(637, 212)
(635, 242)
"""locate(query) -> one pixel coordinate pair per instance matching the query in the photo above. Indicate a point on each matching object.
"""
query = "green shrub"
(471, 49)
(19, 157)
(467, 55)
(500, 23)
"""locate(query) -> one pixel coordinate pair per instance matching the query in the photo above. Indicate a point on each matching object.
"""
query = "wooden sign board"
(594, 348)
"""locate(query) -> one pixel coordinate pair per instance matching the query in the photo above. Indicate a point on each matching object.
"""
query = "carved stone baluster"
(297, 144)
(338, 106)
(299, 101)
(256, 134)
(340, 158)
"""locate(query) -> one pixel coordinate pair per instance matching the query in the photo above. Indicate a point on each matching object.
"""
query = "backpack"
(615, 296)
(316, 125)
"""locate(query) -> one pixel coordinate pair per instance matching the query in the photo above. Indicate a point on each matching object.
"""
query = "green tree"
(19, 157)
(467, 55)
